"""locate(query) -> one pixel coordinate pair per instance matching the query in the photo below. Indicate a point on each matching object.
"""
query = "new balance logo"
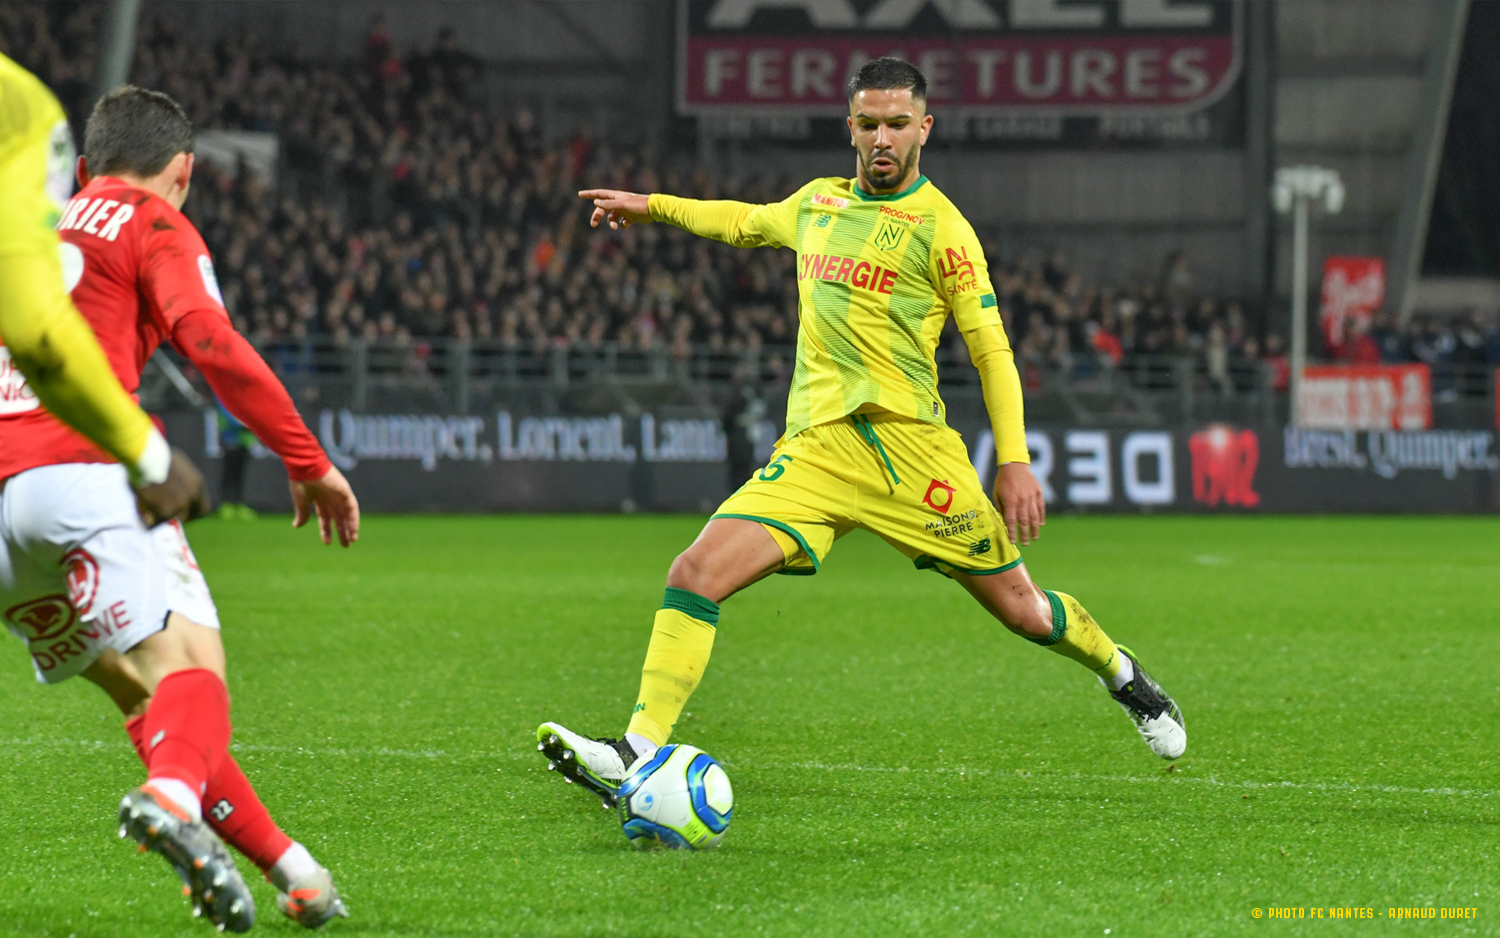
(982, 546)
(221, 810)
(639, 707)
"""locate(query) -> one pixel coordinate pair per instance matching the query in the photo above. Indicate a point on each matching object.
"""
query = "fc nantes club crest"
(888, 234)
(894, 225)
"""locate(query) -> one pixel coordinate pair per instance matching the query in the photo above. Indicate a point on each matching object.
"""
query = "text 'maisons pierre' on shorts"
(80, 573)
(916, 489)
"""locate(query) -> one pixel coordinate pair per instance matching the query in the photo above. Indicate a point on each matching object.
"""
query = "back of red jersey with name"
(134, 266)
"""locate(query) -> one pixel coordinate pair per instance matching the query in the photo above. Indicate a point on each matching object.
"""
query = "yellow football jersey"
(48, 350)
(877, 277)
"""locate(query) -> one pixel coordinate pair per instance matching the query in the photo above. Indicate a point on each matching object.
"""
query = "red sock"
(135, 728)
(187, 727)
(245, 824)
(234, 810)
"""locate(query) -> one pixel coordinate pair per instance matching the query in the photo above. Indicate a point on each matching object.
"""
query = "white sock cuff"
(180, 793)
(293, 865)
(643, 747)
(1125, 675)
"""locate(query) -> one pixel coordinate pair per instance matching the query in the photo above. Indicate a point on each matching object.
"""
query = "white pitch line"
(335, 751)
(522, 754)
(1155, 780)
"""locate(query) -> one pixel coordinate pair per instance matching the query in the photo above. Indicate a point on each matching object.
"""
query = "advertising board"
(1060, 71)
(608, 463)
(1365, 397)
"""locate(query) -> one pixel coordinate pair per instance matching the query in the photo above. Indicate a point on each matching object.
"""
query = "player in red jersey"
(94, 591)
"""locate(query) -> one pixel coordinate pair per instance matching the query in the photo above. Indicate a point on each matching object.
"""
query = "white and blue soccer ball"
(680, 797)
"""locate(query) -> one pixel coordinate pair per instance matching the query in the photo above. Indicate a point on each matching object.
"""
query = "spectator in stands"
(1389, 339)
(1275, 358)
(1492, 340)
(1434, 345)
(1359, 347)
(1216, 359)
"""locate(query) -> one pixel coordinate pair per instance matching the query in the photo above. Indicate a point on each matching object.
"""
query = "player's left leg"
(1059, 623)
(940, 516)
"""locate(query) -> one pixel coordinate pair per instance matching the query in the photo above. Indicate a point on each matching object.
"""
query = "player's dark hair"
(888, 74)
(135, 131)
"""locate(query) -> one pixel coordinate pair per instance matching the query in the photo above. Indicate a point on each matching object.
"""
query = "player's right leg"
(784, 519)
(729, 555)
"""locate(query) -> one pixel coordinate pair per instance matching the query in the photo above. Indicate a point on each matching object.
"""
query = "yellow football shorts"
(909, 482)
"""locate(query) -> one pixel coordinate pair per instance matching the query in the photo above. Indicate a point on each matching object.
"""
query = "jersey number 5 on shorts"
(773, 472)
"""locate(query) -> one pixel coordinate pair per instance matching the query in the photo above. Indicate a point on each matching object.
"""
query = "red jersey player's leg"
(88, 582)
(305, 890)
(93, 591)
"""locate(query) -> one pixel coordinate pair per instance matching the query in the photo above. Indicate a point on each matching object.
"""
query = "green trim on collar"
(865, 197)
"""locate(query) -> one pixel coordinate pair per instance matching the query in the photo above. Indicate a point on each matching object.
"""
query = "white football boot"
(1155, 715)
(597, 764)
(312, 901)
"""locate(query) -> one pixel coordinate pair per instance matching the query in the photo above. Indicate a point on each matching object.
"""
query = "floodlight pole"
(1299, 299)
(116, 46)
(1293, 192)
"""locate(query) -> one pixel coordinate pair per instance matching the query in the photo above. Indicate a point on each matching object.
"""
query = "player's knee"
(1027, 616)
(689, 573)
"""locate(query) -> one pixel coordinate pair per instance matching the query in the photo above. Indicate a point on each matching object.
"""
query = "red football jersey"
(137, 268)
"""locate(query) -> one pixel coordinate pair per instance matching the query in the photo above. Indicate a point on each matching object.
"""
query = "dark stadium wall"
(610, 463)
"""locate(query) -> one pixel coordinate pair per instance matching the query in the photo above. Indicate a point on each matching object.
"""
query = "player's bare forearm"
(1019, 496)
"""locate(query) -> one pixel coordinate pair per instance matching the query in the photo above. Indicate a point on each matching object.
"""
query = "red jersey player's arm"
(250, 390)
(177, 280)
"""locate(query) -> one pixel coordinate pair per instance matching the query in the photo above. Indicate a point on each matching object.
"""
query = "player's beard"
(890, 181)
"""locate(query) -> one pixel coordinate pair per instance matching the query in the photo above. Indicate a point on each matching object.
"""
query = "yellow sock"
(1076, 635)
(681, 641)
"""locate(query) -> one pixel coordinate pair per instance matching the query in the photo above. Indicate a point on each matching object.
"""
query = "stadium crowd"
(404, 211)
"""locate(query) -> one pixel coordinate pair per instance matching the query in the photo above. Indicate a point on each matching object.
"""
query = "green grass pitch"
(902, 765)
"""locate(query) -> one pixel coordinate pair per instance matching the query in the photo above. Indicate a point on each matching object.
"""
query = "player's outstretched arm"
(333, 501)
(742, 224)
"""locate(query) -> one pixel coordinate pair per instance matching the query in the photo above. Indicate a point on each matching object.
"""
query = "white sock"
(293, 865)
(181, 794)
(1126, 675)
(644, 748)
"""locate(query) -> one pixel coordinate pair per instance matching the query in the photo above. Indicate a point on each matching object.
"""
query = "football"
(680, 798)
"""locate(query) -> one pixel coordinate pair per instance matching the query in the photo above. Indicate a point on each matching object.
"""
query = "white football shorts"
(80, 572)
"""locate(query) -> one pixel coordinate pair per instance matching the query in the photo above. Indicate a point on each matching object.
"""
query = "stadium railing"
(469, 376)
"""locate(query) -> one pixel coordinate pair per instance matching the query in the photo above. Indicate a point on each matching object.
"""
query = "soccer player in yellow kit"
(48, 349)
(882, 261)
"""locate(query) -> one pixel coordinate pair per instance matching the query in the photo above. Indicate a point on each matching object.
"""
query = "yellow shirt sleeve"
(42, 331)
(742, 224)
(960, 274)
